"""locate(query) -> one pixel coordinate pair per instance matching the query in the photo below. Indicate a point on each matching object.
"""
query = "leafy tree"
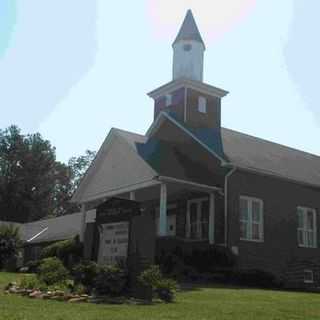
(27, 174)
(9, 243)
(33, 184)
(79, 166)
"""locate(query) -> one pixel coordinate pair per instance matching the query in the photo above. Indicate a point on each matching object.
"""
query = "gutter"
(190, 183)
(226, 180)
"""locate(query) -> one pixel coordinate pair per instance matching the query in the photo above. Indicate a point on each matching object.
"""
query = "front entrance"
(198, 219)
(114, 238)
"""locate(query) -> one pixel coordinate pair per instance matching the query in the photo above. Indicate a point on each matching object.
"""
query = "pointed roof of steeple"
(189, 30)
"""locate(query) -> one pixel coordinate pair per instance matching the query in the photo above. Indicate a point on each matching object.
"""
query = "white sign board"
(113, 246)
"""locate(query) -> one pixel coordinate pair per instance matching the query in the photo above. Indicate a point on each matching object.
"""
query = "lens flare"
(214, 17)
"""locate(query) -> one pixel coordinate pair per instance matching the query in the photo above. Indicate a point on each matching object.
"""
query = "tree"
(27, 176)
(9, 243)
(33, 184)
(79, 166)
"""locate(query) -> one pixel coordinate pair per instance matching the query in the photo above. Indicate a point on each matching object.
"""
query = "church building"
(191, 183)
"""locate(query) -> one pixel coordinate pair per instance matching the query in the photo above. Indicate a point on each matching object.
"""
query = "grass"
(200, 304)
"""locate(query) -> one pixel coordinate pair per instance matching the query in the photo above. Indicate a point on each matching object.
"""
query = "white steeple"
(188, 51)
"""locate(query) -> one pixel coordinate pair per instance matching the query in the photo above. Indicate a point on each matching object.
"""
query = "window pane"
(300, 237)
(193, 212)
(202, 104)
(244, 209)
(256, 211)
(310, 239)
(300, 218)
(255, 231)
(310, 222)
(243, 230)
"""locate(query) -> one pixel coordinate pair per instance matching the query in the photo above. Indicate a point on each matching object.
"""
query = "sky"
(72, 70)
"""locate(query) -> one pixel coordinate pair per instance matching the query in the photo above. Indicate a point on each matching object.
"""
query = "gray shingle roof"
(254, 153)
(60, 228)
(189, 30)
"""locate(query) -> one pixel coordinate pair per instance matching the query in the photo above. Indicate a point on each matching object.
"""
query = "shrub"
(30, 282)
(211, 259)
(9, 243)
(64, 250)
(33, 265)
(164, 288)
(52, 271)
(85, 273)
(255, 278)
(111, 280)
(151, 276)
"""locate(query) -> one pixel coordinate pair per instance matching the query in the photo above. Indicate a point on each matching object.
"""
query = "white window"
(307, 227)
(197, 219)
(251, 219)
(168, 100)
(202, 104)
(308, 276)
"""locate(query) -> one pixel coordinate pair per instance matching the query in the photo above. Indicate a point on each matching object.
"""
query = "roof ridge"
(272, 142)
(126, 131)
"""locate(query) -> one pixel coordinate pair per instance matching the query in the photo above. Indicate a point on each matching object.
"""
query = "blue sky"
(74, 69)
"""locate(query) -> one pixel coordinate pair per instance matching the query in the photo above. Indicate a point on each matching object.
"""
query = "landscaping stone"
(35, 294)
(77, 300)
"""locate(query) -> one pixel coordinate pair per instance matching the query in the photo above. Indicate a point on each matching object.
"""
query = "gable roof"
(189, 30)
(255, 153)
(249, 152)
(54, 229)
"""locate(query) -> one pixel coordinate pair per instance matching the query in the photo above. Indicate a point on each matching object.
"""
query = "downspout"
(226, 180)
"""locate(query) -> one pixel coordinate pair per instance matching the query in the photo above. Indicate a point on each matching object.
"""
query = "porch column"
(83, 222)
(163, 210)
(211, 217)
(132, 195)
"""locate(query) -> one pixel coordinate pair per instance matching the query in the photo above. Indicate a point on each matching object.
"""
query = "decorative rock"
(35, 294)
(58, 293)
(76, 300)
(13, 290)
(57, 298)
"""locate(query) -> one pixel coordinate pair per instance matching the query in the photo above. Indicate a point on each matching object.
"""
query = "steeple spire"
(189, 30)
(188, 51)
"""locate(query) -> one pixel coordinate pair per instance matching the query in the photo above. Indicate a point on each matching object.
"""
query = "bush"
(111, 280)
(33, 266)
(9, 243)
(255, 278)
(211, 259)
(64, 250)
(85, 273)
(52, 271)
(151, 276)
(30, 282)
(164, 288)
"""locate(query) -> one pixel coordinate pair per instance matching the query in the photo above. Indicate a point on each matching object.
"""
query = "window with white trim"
(251, 219)
(202, 104)
(168, 100)
(308, 276)
(307, 227)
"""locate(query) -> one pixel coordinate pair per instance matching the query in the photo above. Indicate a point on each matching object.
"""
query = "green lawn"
(200, 304)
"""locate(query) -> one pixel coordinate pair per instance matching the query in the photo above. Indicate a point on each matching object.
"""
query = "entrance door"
(113, 246)
(198, 219)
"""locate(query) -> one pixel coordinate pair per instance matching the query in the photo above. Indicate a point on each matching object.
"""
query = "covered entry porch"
(177, 210)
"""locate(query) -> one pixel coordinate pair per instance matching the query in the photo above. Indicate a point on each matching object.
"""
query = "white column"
(83, 222)
(163, 210)
(132, 195)
(211, 217)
